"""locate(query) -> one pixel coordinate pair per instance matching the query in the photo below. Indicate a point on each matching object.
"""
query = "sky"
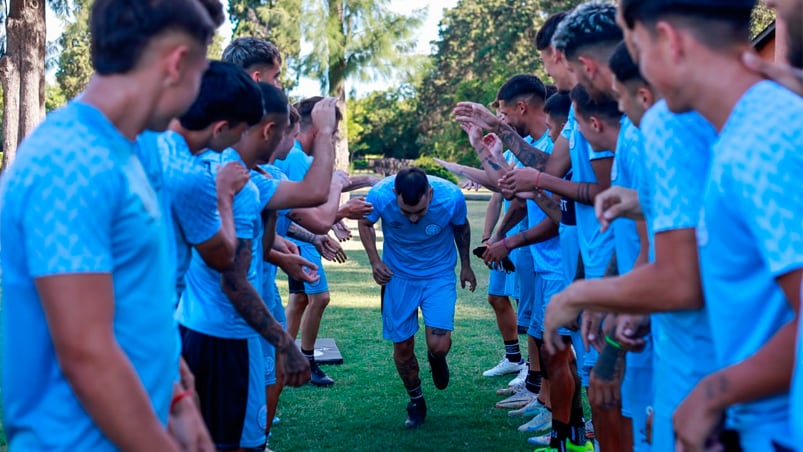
(427, 33)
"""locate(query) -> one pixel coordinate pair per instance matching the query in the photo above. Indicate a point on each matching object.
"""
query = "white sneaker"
(539, 424)
(520, 378)
(517, 400)
(533, 408)
(541, 441)
(503, 368)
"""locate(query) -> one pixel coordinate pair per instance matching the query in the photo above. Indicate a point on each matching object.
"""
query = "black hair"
(248, 52)
(521, 86)
(558, 105)
(551, 90)
(215, 10)
(411, 184)
(120, 30)
(305, 107)
(715, 25)
(274, 99)
(602, 107)
(227, 94)
(591, 25)
(623, 67)
(543, 39)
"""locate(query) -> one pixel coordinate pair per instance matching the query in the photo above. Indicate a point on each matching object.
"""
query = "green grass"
(365, 409)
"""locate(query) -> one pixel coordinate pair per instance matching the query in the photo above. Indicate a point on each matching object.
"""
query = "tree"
(481, 45)
(385, 123)
(22, 73)
(74, 63)
(761, 19)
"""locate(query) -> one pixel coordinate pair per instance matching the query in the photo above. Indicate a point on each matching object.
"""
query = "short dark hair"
(120, 30)
(294, 116)
(590, 25)
(543, 39)
(274, 99)
(215, 10)
(551, 89)
(248, 52)
(602, 107)
(623, 67)
(411, 184)
(227, 94)
(305, 107)
(716, 27)
(522, 86)
(558, 105)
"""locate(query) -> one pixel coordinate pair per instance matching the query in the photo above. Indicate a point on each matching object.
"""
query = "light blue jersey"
(546, 255)
(203, 306)
(596, 247)
(426, 248)
(77, 201)
(677, 150)
(193, 192)
(749, 235)
(625, 173)
(149, 156)
(296, 164)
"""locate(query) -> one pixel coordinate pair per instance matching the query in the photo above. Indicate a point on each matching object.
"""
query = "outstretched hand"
(477, 115)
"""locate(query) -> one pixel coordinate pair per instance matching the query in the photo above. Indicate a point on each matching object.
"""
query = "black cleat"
(318, 377)
(440, 370)
(416, 413)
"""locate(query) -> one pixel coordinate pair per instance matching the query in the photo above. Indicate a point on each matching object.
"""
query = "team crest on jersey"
(702, 231)
(433, 229)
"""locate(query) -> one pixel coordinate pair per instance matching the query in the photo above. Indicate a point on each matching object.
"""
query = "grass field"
(365, 409)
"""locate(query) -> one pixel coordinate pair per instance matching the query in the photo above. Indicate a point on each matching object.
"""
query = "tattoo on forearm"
(550, 207)
(462, 238)
(299, 233)
(527, 154)
(584, 193)
(609, 364)
(613, 266)
(716, 388)
(246, 299)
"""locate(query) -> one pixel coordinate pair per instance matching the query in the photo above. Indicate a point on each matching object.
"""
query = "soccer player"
(423, 218)
(260, 59)
(91, 350)
(749, 237)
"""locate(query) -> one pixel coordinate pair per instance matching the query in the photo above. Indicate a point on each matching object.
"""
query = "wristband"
(504, 243)
(178, 398)
(613, 342)
(537, 179)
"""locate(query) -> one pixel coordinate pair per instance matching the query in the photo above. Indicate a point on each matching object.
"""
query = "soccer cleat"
(517, 400)
(318, 377)
(520, 378)
(276, 420)
(531, 409)
(440, 370)
(509, 390)
(570, 447)
(542, 422)
(416, 413)
(590, 430)
(540, 441)
(504, 367)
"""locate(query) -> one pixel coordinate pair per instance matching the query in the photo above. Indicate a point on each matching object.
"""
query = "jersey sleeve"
(378, 197)
(460, 210)
(69, 219)
(194, 193)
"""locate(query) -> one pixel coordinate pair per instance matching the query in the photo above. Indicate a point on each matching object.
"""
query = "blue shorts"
(762, 437)
(311, 254)
(497, 283)
(512, 281)
(230, 380)
(401, 299)
(663, 433)
(269, 357)
(637, 395)
(525, 274)
(544, 290)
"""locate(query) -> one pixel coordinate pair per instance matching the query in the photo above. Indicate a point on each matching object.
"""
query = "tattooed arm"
(248, 303)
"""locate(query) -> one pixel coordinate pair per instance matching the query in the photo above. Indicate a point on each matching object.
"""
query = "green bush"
(359, 165)
(432, 168)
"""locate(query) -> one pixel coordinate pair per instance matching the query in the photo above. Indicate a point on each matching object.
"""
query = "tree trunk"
(337, 83)
(22, 73)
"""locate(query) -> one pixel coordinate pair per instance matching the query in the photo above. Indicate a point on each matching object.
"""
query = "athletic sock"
(533, 381)
(310, 355)
(560, 433)
(416, 393)
(512, 351)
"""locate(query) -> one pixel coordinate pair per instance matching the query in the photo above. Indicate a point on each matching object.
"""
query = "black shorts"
(230, 380)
